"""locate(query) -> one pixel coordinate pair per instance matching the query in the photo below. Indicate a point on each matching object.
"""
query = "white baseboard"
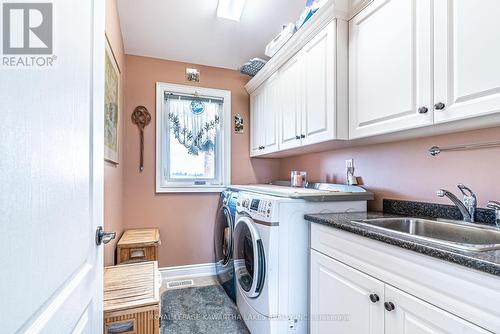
(194, 270)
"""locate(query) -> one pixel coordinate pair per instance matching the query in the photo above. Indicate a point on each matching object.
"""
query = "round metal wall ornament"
(197, 107)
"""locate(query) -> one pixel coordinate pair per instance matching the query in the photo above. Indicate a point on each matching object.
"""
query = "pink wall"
(113, 174)
(185, 220)
(404, 170)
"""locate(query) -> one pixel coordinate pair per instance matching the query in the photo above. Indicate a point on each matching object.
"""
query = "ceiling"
(190, 31)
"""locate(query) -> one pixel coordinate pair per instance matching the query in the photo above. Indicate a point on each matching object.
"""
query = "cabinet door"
(319, 90)
(414, 316)
(269, 115)
(390, 72)
(467, 58)
(257, 102)
(340, 299)
(290, 100)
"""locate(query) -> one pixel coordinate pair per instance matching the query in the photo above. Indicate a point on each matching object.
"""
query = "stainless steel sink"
(458, 235)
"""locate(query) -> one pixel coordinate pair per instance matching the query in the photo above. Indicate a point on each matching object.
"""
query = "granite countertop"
(488, 261)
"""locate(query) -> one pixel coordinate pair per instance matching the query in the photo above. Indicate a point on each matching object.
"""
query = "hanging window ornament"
(197, 107)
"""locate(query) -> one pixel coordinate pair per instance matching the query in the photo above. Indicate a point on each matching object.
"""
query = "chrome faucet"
(495, 206)
(467, 206)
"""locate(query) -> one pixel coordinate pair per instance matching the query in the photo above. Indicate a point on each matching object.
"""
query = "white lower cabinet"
(347, 301)
(414, 316)
(340, 298)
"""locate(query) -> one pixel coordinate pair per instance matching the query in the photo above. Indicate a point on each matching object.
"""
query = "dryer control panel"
(258, 206)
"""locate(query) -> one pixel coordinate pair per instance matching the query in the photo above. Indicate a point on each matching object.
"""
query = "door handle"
(102, 236)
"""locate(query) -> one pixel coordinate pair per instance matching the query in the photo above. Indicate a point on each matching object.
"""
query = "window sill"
(167, 190)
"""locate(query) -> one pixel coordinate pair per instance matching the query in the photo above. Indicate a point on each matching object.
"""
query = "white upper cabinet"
(390, 67)
(291, 103)
(269, 118)
(467, 58)
(256, 106)
(307, 96)
(318, 58)
(411, 67)
(263, 118)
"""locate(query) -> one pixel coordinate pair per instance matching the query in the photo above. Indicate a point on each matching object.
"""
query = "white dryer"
(271, 259)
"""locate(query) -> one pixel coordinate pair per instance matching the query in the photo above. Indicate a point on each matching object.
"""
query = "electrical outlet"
(349, 163)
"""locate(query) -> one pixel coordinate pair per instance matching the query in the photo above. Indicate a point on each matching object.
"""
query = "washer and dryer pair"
(270, 248)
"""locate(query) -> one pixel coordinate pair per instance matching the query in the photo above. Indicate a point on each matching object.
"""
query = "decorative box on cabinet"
(132, 298)
(138, 245)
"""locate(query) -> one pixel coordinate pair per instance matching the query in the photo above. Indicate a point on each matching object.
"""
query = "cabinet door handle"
(439, 106)
(423, 110)
(389, 306)
(374, 298)
(302, 136)
(297, 137)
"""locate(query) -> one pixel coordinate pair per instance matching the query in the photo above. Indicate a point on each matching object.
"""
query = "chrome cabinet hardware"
(439, 106)
(389, 306)
(423, 110)
(374, 298)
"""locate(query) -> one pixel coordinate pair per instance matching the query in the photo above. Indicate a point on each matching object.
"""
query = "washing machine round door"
(249, 259)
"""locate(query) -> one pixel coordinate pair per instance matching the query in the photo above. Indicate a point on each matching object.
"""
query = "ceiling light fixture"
(230, 9)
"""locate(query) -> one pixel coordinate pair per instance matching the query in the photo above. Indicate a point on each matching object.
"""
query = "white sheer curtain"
(188, 126)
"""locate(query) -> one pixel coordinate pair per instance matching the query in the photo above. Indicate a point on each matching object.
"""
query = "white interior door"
(467, 59)
(390, 67)
(51, 140)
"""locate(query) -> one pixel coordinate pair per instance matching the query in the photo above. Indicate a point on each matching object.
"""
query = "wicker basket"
(131, 299)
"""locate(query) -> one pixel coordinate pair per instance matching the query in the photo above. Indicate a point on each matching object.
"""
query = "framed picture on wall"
(112, 106)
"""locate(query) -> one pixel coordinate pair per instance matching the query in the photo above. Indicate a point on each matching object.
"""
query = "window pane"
(188, 166)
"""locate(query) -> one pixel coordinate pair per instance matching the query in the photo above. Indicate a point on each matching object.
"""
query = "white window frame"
(162, 130)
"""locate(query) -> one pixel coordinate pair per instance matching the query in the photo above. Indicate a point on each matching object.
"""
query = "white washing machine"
(271, 259)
